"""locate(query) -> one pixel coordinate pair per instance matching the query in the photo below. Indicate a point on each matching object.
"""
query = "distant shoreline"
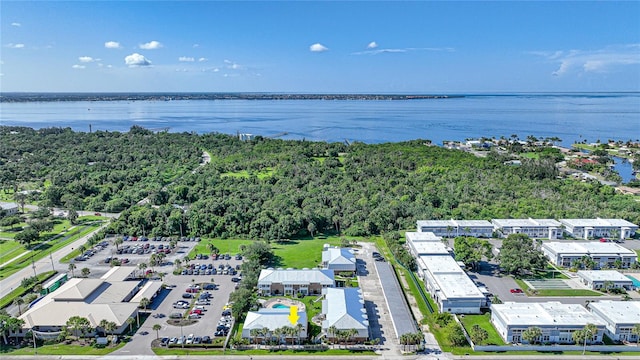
(52, 97)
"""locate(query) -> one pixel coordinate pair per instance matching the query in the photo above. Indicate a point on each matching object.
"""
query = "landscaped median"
(19, 291)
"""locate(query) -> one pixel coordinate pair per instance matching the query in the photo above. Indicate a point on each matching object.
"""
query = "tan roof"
(77, 289)
(57, 313)
(148, 291)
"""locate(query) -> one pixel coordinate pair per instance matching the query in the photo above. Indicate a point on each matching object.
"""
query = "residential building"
(620, 318)
(9, 208)
(449, 285)
(599, 228)
(597, 279)
(343, 310)
(556, 320)
(453, 228)
(425, 243)
(534, 228)
(292, 281)
(108, 298)
(338, 259)
(604, 254)
(272, 319)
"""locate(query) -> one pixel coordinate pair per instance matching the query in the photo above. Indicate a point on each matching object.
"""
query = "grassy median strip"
(61, 349)
(19, 291)
(46, 249)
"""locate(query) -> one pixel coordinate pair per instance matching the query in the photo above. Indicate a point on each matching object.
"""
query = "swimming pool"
(635, 281)
(280, 306)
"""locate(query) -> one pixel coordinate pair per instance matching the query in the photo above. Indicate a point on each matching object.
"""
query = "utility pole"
(51, 258)
(33, 265)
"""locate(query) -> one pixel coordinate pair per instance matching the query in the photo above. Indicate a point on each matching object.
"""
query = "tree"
(156, 328)
(311, 228)
(636, 331)
(519, 256)
(143, 266)
(130, 321)
(585, 335)
(471, 250)
(72, 216)
(478, 334)
(117, 241)
(85, 272)
(78, 325)
(10, 221)
(27, 236)
(72, 267)
(532, 334)
(19, 301)
(456, 335)
(14, 325)
(144, 302)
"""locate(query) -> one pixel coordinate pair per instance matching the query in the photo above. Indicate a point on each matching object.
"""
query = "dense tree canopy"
(277, 189)
(518, 255)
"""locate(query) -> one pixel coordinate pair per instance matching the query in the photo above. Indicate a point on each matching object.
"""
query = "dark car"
(206, 339)
(235, 279)
(164, 341)
(210, 287)
(187, 296)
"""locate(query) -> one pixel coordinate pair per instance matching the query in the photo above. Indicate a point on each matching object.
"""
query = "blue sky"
(319, 47)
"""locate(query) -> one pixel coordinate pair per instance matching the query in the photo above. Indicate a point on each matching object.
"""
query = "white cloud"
(374, 51)
(151, 45)
(317, 47)
(202, 59)
(186, 59)
(15, 46)
(372, 45)
(76, 66)
(16, 24)
(112, 45)
(135, 60)
(87, 59)
(590, 61)
(231, 65)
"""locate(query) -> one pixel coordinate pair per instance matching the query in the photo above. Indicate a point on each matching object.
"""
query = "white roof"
(118, 273)
(76, 289)
(294, 276)
(587, 248)
(8, 205)
(430, 248)
(341, 256)
(421, 236)
(618, 312)
(344, 309)
(272, 319)
(598, 222)
(148, 291)
(548, 313)
(603, 275)
(452, 281)
(546, 223)
(454, 223)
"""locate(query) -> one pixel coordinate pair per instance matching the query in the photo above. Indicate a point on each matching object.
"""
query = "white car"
(190, 339)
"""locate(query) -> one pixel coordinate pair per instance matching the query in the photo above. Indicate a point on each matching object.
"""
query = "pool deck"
(284, 301)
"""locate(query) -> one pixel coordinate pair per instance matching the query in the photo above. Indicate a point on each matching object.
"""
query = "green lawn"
(10, 249)
(556, 292)
(484, 322)
(45, 249)
(305, 253)
(62, 349)
(19, 291)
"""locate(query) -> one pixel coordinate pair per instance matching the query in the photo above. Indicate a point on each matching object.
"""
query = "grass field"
(61, 349)
(9, 249)
(306, 253)
(484, 322)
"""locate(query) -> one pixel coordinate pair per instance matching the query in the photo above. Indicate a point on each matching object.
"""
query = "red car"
(516, 291)
(196, 311)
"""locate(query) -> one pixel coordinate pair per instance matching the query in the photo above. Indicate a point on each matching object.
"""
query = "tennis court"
(539, 284)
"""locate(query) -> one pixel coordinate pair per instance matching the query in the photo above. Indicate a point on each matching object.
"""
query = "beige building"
(294, 281)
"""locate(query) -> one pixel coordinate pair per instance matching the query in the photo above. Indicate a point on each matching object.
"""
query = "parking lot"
(206, 317)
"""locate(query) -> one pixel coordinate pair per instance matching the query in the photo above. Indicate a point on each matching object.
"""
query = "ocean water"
(570, 117)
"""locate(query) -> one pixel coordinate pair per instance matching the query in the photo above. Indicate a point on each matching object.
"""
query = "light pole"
(35, 348)
(33, 265)
(51, 258)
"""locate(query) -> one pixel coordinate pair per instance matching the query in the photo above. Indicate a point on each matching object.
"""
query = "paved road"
(51, 262)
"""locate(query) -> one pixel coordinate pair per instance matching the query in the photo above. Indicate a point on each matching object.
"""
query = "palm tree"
(586, 334)
(85, 272)
(177, 263)
(103, 325)
(636, 331)
(78, 323)
(72, 267)
(254, 333)
(14, 324)
(331, 331)
(299, 327)
(278, 334)
(117, 241)
(142, 267)
(130, 321)
(157, 328)
(19, 301)
(144, 302)
(532, 334)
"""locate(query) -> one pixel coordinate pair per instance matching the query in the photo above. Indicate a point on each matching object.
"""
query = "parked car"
(164, 341)
(206, 339)
(516, 291)
(187, 296)
(175, 315)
